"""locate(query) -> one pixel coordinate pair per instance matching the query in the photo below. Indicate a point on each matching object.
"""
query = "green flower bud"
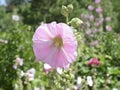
(70, 8)
(64, 11)
(76, 22)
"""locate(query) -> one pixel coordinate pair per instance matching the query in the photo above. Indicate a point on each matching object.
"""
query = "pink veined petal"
(42, 49)
(55, 29)
(43, 33)
(57, 58)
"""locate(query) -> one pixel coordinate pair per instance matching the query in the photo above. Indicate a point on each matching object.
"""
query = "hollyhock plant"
(55, 44)
(94, 61)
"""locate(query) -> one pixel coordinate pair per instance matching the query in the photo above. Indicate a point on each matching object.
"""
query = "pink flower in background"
(99, 10)
(108, 28)
(95, 43)
(90, 8)
(55, 44)
(107, 19)
(84, 16)
(97, 1)
(91, 17)
(94, 61)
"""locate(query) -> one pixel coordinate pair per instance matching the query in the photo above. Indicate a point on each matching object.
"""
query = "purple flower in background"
(91, 17)
(107, 19)
(108, 28)
(97, 1)
(99, 10)
(90, 8)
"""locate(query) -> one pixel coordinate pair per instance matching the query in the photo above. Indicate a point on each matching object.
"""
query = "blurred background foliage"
(16, 40)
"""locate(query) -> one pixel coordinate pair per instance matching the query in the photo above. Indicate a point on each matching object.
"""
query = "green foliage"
(16, 40)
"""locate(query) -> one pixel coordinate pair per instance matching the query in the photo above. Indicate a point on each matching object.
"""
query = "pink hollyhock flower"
(91, 17)
(107, 19)
(108, 28)
(94, 61)
(97, 1)
(99, 10)
(90, 7)
(55, 44)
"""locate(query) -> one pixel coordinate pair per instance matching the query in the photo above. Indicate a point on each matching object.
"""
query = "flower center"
(57, 42)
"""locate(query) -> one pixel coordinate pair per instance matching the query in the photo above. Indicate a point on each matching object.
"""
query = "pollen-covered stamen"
(57, 42)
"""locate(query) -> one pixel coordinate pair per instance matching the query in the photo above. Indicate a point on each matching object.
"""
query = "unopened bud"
(64, 11)
(76, 22)
(70, 8)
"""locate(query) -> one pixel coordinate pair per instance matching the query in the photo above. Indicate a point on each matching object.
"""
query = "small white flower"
(19, 61)
(75, 88)
(21, 73)
(16, 87)
(47, 68)
(30, 73)
(114, 89)
(59, 70)
(79, 80)
(15, 17)
(36, 88)
(89, 81)
(67, 88)
(15, 66)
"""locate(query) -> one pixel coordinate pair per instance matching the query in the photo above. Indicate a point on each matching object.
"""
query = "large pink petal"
(55, 29)
(58, 58)
(43, 33)
(42, 49)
